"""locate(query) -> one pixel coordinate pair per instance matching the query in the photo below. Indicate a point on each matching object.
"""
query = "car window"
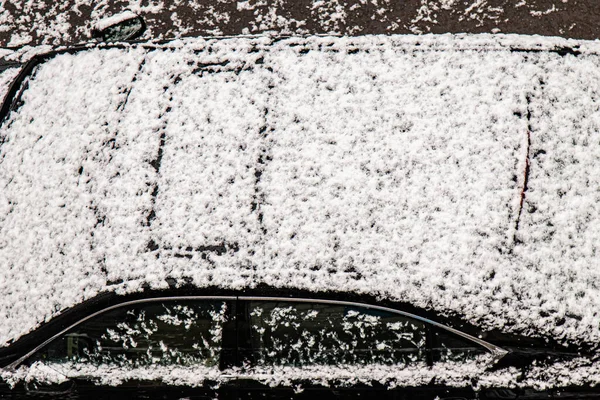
(152, 333)
(304, 333)
(448, 346)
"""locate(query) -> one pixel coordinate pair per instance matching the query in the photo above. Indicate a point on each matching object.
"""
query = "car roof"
(453, 173)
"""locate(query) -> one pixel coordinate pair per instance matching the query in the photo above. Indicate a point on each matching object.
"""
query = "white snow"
(6, 78)
(49, 203)
(114, 19)
(390, 165)
(475, 374)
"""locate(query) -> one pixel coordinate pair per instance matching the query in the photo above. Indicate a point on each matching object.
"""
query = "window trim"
(497, 352)
(20, 360)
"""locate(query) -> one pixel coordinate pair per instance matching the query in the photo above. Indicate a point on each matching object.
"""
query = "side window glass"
(152, 333)
(298, 334)
(448, 346)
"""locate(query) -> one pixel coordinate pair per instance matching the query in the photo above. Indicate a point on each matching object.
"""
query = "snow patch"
(7, 76)
(113, 20)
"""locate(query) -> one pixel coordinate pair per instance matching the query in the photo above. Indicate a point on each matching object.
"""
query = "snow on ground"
(25, 22)
(384, 165)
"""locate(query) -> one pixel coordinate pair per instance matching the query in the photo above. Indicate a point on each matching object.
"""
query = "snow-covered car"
(454, 176)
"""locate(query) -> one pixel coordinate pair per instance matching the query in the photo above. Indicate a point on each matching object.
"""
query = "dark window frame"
(247, 354)
(237, 330)
(244, 338)
(227, 338)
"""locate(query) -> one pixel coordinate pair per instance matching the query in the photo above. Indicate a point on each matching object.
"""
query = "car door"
(304, 349)
(165, 348)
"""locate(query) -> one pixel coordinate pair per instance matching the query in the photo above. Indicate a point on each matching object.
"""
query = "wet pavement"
(23, 22)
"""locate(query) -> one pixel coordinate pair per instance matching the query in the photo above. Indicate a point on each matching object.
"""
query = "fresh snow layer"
(393, 166)
(6, 77)
(475, 374)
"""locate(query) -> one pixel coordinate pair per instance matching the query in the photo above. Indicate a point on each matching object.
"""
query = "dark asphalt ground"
(25, 22)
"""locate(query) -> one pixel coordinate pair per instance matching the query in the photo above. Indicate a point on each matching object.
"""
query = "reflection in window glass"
(451, 347)
(123, 31)
(292, 333)
(153, 333)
